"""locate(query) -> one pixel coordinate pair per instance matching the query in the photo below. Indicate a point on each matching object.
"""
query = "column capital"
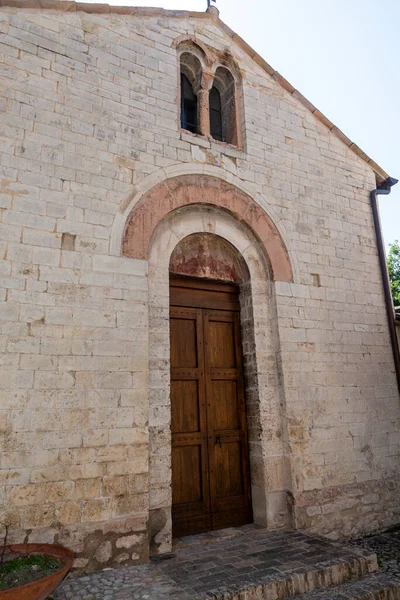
(207, 79)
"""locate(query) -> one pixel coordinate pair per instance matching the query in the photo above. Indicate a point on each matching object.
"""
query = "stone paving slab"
(387, 547)
(280, 562)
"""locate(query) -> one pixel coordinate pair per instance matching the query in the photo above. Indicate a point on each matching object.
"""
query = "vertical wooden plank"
(227, 430)
(190, 477)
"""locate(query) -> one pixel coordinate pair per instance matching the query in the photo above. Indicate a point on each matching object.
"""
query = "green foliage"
(25, 569)
(393, 262)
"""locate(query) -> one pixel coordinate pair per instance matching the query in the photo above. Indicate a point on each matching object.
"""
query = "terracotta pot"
(41, 588)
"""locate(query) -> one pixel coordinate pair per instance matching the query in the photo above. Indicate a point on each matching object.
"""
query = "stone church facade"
(114, 181)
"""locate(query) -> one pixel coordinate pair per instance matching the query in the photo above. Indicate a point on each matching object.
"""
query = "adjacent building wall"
(89, 118)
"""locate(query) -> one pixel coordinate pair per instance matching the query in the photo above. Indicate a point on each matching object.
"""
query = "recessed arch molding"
(185, 190)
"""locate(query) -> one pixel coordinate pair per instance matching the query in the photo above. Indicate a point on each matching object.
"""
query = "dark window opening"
(222, 103)
(215, 114)
(188, 106)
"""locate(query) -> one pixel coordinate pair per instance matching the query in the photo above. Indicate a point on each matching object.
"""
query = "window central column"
(203, 103)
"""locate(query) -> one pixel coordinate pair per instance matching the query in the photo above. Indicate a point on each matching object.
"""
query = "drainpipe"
(384, 189)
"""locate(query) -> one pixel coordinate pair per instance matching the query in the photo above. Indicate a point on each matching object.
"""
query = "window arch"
(190, 82)
(222, 99)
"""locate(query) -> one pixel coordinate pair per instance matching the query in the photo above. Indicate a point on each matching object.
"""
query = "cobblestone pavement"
(255, 556)
(387, 547)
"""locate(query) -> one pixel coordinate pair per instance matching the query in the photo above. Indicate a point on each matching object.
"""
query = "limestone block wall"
(88, 119)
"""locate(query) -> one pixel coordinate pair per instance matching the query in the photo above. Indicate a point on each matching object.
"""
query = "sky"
(342, 55)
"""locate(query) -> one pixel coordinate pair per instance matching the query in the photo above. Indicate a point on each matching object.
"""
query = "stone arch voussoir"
(185, 190)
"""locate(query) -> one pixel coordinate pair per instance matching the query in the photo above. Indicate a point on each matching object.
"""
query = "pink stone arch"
(184, 190)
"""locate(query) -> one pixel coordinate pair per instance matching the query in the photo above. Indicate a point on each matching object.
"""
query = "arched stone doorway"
(270, 475)
(210, 388)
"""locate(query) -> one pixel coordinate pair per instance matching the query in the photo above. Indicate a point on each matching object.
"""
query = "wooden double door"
(210, 463)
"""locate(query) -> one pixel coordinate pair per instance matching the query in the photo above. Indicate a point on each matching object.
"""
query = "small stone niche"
(68, 241)
(316, 281)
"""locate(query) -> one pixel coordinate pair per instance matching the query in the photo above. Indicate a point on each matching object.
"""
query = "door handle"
(218, 441)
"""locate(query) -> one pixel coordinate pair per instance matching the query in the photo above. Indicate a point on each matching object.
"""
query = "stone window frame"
(188, 101)
(210, 62)
(225, 74)
(191, 65)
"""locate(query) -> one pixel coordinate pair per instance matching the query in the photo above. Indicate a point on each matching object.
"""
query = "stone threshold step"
(372, 587)
(320, 578)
